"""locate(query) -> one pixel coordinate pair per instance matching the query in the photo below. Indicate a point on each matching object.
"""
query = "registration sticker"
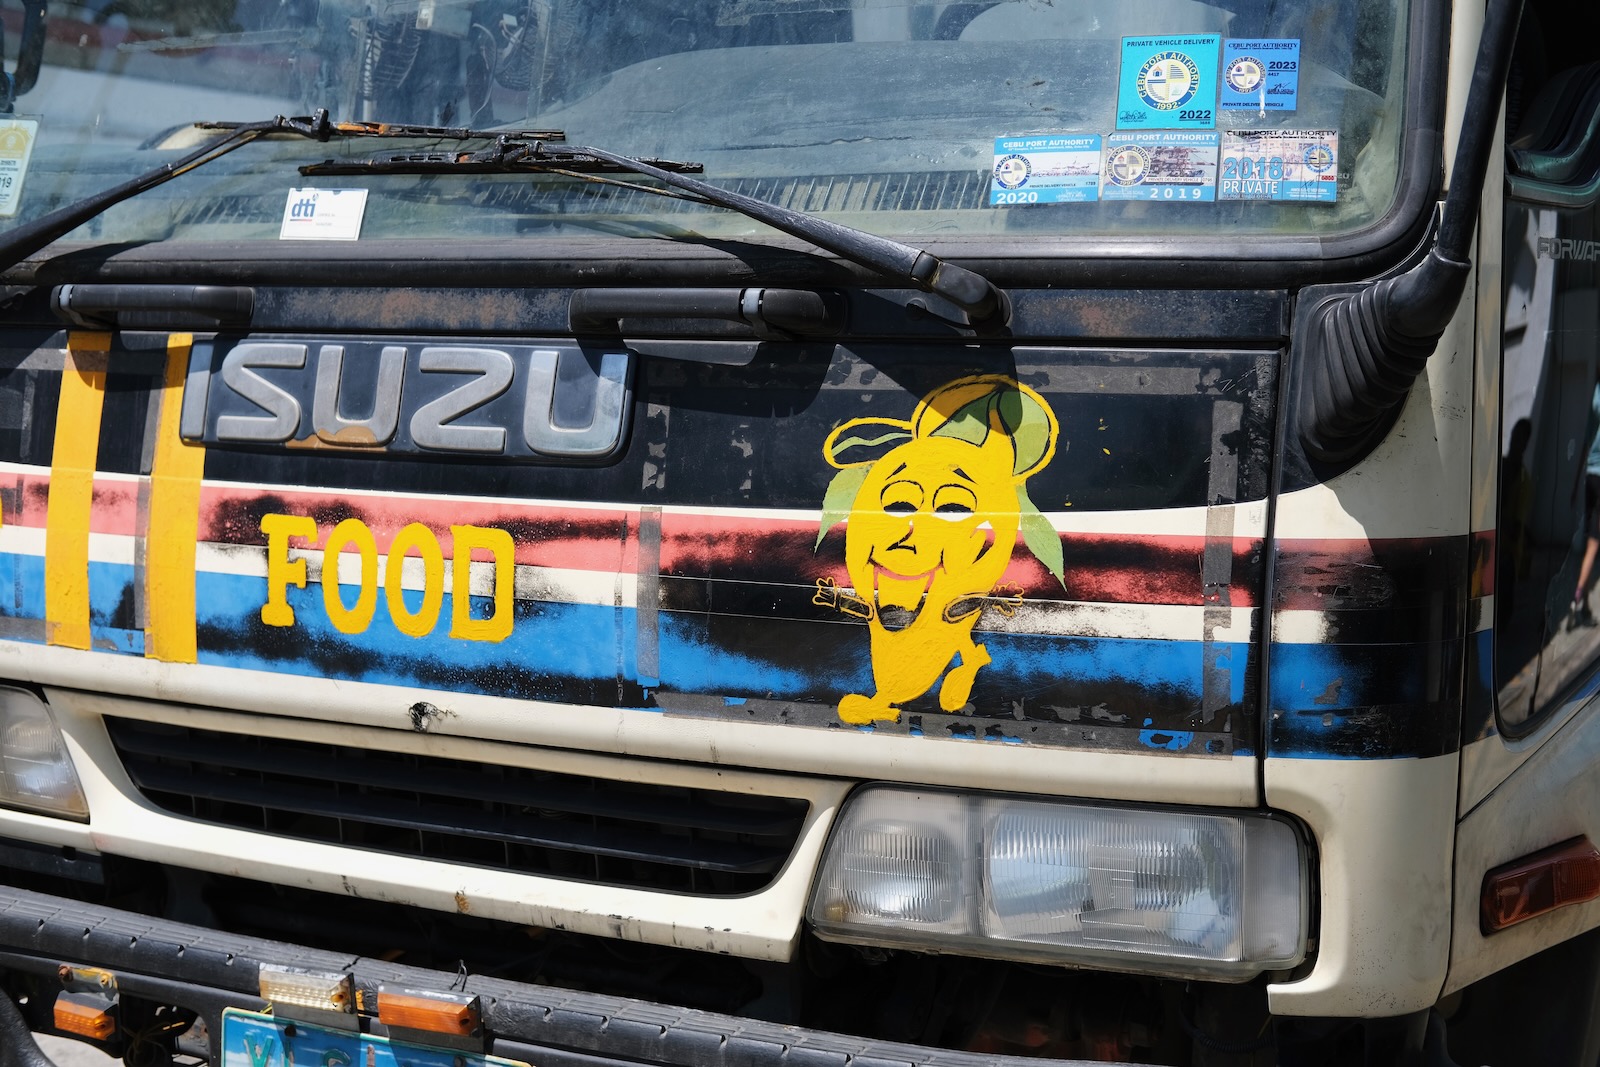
(1260, 76)
(323, 215)
(250, 1039)
(1168, 83)
(1168, 165)
(1280, 165)
(16, 146)
(1046, 170)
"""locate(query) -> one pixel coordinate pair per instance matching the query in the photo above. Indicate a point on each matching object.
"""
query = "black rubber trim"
(206, 970)
(17, 1046)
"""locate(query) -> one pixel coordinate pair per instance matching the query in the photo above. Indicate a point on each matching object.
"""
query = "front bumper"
(206, 971)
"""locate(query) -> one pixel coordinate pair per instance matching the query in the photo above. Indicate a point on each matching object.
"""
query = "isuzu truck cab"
(800, 533)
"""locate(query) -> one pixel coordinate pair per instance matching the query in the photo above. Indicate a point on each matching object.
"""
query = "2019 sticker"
(16, 148)
(1046, 170)
(1168, 83)
(1284, 165)
(1161, 165)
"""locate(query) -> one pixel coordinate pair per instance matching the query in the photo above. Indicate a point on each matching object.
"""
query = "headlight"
(1220, 896)
(35, 771)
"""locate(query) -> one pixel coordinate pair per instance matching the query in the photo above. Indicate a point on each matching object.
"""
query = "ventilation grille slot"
(506, 818)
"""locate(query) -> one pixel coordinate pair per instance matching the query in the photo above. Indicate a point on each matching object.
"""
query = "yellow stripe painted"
(169, 559)
(77, 444)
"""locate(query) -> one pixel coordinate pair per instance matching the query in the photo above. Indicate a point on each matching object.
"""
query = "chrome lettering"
(239, 374)
(430, 426)
(531, 404)
(600, 436)
(374, 430)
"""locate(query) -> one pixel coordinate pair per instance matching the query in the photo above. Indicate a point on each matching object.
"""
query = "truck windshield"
(1017, 119)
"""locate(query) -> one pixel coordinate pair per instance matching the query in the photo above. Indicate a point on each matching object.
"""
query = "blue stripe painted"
(579, 653)
(25, 576)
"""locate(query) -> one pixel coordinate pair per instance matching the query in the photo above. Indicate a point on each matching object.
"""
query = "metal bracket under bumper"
(206, 970)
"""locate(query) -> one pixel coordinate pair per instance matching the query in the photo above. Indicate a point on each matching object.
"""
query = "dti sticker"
(931, 526)
(1046, 170)
(1300, 165)
(1161, 166)
(16, 147)
(1260, 76)
(1168, 83)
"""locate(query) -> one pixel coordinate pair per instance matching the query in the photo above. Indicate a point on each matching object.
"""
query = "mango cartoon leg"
(857, 708)
(957, 684)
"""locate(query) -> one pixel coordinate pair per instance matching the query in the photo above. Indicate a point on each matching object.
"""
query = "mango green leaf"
(869, 442)
(970, 422)
(1028, 425)
(840, 496)
(1040, 537)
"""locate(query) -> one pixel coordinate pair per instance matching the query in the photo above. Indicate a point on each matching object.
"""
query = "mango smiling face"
(934, 522)
(932, 525)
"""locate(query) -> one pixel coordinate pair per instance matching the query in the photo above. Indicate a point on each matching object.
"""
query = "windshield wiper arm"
(984, 304)
(20, 243)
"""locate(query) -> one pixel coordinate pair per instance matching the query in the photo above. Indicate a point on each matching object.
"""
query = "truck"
(800, 533)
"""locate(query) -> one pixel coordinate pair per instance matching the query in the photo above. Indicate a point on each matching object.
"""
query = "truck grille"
(483, 814)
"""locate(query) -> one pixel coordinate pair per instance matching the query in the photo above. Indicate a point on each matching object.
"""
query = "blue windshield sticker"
(1172, 165)
(1260, 76)
(1301, 165)
(1168, 83)
(1046, 170)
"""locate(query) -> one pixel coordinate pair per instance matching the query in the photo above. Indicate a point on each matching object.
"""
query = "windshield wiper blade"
(20, 243)
(506, 156)
(324, 129)
(985, 305)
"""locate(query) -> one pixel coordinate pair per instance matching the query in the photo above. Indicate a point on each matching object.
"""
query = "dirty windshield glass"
(1020, 118)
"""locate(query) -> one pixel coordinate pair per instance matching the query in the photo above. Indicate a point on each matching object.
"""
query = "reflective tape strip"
(72, 462)
(174, 521)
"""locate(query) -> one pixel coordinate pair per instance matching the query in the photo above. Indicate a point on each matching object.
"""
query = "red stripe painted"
(115, 510)
(545, 536)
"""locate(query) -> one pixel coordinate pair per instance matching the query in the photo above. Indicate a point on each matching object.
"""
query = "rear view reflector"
(1568, 873)
(439, 1013)
(85, 1015)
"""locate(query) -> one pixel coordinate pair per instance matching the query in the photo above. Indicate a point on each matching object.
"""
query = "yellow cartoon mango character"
(931, 527)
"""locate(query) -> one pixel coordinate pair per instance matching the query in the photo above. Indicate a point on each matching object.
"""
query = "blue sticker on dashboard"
(1176, 166)
(1168, 83)
(1260, 76)
(1046, 170)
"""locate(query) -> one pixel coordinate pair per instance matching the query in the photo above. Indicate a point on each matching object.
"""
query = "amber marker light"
(1568, 873)
(86, 1016)
(439, 1013)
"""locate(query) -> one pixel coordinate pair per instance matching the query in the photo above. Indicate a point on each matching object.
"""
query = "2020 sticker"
(1046, 170)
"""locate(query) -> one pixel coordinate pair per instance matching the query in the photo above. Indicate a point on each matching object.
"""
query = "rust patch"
(463, 905)
(347, 438)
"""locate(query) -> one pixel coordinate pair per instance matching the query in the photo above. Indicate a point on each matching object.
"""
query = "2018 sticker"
(1046, 170)
(1164, 166)
(1168, 83)
(1284, 165)
(1260, 75)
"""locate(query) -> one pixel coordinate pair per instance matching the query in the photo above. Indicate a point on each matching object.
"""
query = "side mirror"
(29, 56)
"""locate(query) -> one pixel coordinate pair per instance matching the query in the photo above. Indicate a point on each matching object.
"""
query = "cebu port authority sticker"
(1168, 83)
(1261, 75)
(1300, 165)
(1046, 170)
(16, 148)
(1172, 165)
